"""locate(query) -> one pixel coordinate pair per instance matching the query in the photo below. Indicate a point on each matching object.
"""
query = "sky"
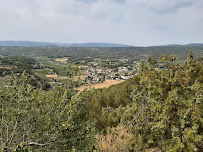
(132, 22)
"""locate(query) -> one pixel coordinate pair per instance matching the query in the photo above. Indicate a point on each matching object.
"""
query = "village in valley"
(93, 73)
(97, 67)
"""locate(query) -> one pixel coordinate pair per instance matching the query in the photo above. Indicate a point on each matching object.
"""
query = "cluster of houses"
(97, 75)
(92, 76)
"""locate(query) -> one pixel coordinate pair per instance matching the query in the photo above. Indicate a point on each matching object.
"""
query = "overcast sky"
(135, 22)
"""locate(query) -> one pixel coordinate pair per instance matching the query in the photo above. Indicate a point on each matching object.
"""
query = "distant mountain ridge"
(179, 45)
(45, 44)
(195, 44)
(91, 44)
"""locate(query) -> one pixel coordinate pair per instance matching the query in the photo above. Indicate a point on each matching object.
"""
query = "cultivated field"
(56, 77)
(105, 84)
(61, 59)
(83, 66)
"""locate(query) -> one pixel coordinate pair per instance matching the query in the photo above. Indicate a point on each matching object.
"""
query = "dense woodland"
(155, 110)
(102, 52)
(20, 64)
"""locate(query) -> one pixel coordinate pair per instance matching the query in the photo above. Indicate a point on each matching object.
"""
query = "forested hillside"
(158, 109)
(18, 65)
(103, 52)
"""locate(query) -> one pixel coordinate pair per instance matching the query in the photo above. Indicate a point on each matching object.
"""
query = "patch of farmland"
(104, 84)
(56, 76)
(60, 68)
(61, 59)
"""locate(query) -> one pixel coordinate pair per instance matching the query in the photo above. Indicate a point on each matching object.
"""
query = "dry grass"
(61, 59)
(39, 70)
(83, 66)
(123, 60)
(153, 150)
(52, 83)
(56, 77)
(52, 76)
(61, 78)
(104, 84)
(116, 140)
(5, 67)
(77, 78)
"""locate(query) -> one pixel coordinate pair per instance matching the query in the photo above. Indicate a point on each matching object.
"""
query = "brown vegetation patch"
(61, 59)
(117, 139)
(5, 67)
(83, 66)
(52, 82)
(77, 78)
(52, 76)
(56, 77)
(39, 70)
(61, 78)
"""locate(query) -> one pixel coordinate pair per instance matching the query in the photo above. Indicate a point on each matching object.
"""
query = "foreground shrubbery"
(165, 110)
(160, 109)
(42, 120)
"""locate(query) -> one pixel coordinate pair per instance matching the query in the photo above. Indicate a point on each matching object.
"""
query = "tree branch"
(14, 130)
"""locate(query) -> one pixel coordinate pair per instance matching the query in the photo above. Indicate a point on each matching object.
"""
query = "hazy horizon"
(97, 43)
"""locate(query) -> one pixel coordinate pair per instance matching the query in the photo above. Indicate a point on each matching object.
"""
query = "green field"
(50, 67)
(42, 74)
(60, 68)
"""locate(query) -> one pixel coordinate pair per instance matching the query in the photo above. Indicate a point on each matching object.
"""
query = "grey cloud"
(119, 1)
(94, 1)
(88, 1)
(161, 6)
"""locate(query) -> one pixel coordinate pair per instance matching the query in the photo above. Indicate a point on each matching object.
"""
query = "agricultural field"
(61, 60)
(60, 68)
(104, 84)
(52, 70)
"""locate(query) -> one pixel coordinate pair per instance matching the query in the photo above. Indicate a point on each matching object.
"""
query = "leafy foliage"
(166, 111)
(41, 120)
